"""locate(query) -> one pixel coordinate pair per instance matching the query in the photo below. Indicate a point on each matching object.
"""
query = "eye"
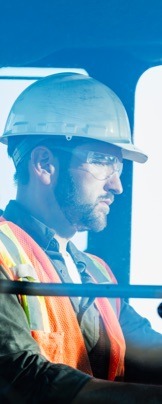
(98, 163)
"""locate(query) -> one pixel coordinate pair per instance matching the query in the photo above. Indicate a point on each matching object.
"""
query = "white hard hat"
(70, 105)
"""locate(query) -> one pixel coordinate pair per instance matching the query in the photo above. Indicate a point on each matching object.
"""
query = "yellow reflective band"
(8, 232)
(8, 260)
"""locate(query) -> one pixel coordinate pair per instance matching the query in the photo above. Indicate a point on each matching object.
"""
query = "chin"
(95, 222)
(99, 228)
(98, 223)
(96, 226)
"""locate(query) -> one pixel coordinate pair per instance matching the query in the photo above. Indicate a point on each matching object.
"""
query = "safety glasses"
(100, 165)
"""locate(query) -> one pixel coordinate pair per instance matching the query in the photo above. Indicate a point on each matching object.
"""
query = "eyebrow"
(85, 151)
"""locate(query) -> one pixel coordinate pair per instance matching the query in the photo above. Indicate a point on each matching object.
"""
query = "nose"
(114, 183)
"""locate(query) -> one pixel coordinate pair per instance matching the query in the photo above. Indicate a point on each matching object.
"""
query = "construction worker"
(68, 135)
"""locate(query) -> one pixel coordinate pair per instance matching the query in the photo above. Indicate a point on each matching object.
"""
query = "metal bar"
(87, 290)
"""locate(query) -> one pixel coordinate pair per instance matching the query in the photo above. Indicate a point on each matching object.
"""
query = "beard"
(82, 216)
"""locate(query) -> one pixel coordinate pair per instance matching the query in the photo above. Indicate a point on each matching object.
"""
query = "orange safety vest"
(52, 319)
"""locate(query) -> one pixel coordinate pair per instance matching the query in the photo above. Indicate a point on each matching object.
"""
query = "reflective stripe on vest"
(101, 273)
(56, 317)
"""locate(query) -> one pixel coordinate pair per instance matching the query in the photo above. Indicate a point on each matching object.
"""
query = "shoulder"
(103, 266)
(13, 231)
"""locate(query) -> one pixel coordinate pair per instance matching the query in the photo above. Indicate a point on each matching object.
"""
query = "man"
(68, 135)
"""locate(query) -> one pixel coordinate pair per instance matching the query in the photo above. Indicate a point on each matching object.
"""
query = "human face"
(83, 198)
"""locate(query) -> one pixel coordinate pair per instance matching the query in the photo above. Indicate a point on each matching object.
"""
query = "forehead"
(101, 147)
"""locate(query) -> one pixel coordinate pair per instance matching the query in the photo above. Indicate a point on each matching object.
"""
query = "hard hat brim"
(130, 152)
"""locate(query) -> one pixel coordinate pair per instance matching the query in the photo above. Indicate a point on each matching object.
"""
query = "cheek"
(87, 186)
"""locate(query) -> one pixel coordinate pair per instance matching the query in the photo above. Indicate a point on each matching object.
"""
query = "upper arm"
(143, 362)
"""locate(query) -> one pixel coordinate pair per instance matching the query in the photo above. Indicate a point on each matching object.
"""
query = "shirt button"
(81, 266)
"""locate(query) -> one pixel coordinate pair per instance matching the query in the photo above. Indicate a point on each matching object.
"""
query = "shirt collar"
(42, 234)
(17, 214)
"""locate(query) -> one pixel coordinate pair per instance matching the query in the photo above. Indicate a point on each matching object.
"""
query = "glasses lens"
(103, 166)
(100, 165)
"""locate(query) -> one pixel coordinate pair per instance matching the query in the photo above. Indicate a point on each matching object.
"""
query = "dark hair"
(21, 175)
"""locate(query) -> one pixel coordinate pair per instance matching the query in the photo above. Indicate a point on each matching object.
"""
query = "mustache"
(109, 196)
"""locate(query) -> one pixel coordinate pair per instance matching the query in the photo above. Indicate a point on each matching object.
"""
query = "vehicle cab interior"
(117, 42)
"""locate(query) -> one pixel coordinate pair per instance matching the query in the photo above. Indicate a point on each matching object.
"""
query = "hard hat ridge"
(72, 105)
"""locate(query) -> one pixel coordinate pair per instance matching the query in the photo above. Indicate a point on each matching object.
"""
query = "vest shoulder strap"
(102, 273)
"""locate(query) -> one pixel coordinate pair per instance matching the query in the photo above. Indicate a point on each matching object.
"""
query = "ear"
(43, 164)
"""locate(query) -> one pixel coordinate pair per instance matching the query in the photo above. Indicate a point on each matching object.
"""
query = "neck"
(47, 211)
(62, 243)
